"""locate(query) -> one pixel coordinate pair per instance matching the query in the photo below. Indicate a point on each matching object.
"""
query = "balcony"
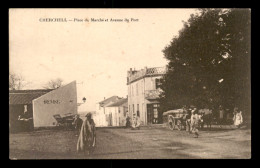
(152, 94)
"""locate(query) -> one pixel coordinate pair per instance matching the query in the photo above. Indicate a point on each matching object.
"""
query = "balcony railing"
(157, 71)
(152, 94)
(147, 72)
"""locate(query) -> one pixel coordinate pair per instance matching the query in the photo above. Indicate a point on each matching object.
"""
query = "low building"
(118, 112)
(42, 105)
(143, 93)
(104, 116)
(20, 101)
(59, 101)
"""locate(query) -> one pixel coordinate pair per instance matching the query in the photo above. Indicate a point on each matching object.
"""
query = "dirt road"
(148, 143)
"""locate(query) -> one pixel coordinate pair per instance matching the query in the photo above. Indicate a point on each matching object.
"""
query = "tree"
(53, 84)
(16, 82)
(209, 62)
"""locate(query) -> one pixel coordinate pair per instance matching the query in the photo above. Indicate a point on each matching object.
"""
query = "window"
(137, 89)
(133, 108)
(158, 83)
(138, 112)
(129, 108)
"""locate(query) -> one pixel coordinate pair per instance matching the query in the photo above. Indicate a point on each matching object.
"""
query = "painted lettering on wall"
(51, 102)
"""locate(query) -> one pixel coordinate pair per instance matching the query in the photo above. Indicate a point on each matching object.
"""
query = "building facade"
(60, 101)
(143, 94)
(118, 112)
(103, 117)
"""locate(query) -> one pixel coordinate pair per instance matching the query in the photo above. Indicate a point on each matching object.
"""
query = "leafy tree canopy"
(209, 62)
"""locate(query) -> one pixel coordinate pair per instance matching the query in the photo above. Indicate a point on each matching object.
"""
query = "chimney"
(104, 98)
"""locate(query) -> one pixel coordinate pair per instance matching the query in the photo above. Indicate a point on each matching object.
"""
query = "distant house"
(103, 117)
(118, 112)
(42, 105)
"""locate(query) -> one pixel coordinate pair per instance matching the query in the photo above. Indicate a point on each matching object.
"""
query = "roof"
(25, 96)
(108, 100)
(118, 103)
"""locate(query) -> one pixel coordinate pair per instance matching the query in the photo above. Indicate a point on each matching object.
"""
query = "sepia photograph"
(164, 83)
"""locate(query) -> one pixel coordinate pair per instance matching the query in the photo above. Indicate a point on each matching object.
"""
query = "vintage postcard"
(129, 83)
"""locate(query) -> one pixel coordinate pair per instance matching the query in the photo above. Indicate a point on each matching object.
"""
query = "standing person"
(127, 121)
(195, 122)
(188, 121)
(238, 119)
(87, 136)
(221, 115)
(234, 114)
(77, 124)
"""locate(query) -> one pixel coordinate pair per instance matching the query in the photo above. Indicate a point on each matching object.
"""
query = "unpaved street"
(154, 142)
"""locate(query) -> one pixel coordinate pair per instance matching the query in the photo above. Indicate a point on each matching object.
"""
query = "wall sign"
(51, 101)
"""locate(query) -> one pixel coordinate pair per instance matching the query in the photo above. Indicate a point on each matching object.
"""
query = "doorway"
(152, 113)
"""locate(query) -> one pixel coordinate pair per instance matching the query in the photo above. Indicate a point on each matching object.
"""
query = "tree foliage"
(54, 84)
(209, 62)
(16, 82)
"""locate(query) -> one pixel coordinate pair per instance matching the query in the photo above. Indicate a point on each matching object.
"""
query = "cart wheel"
(178, 125)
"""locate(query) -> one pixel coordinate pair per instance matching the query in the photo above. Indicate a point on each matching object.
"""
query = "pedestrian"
(188, 120)
(87, 137)
(238, 118)
(195, 122)
(127, 122)
(234, 114)
(77, 123)
(136, 122)
(221, 115)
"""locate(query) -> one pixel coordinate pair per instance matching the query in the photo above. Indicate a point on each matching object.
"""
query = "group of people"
(135, 122)
(86, 132)
(192, 121)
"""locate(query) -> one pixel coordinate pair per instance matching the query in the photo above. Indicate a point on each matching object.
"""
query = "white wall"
(148, 83)
(60, 101)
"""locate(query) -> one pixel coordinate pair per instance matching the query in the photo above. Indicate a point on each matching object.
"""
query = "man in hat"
(77, 123)
(87, 138)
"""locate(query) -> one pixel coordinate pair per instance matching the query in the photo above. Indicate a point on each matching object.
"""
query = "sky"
(95, 54)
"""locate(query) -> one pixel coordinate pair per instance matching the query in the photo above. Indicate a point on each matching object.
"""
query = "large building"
(143, 93)
(41, 105)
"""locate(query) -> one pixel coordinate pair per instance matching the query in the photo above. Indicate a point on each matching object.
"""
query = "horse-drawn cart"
(175, 118)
